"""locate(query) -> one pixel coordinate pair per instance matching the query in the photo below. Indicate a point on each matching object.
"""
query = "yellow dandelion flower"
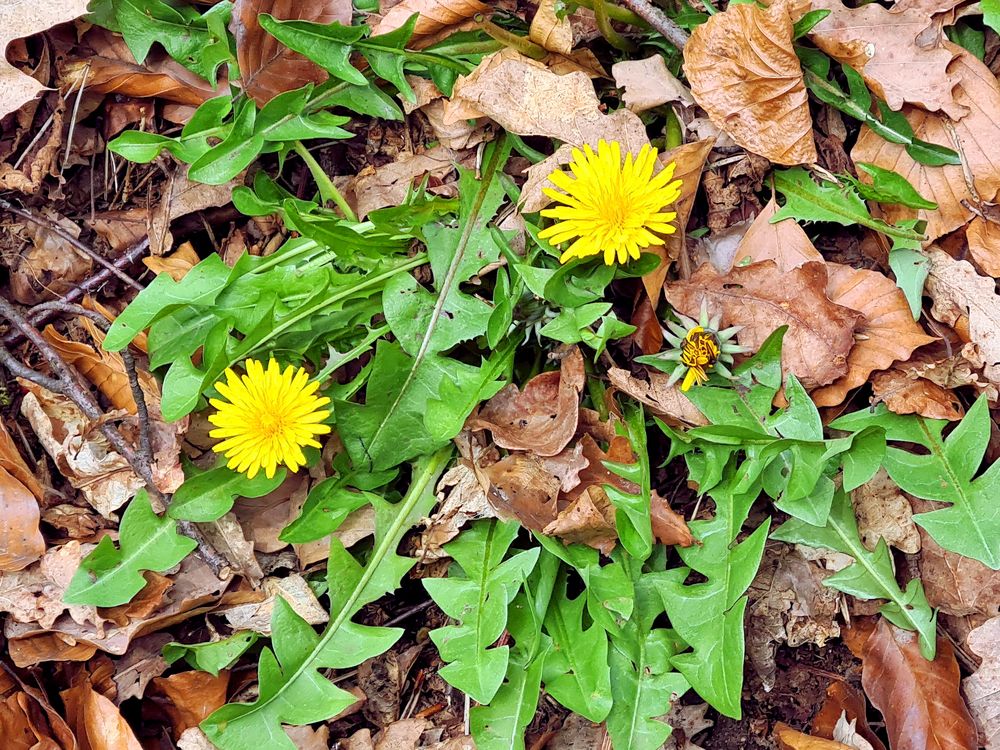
(700, 350)
(267, 418)
(611, 206)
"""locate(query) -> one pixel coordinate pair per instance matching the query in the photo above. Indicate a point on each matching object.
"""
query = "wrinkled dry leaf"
(21, 541)
(11, 461)
(846, 732)
(293, 589)
(184, 197)
(519, 487)
(435, 16)
(842, 700)
(21, 19)
(743, 71)
(227, 538)
(666, 402)
(389, 184)
(137, 668)
(462, 500)
(589, 519)
(191, 697)
(35, 595)
(760, 297)
(543, 417)
(647, 83)
(983, 687)
(919, 699)
(883, 512)
(526, 98)
(549, 31)
(903, 394)
(175, 264)
(884, 46)
(121, 229)
(47, 268)
(888, 334)
(687, 721)
(983, 237)
(784, 242)
(977, 133)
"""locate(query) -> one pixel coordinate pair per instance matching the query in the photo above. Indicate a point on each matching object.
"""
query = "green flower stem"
(615, 13)
(525, 46)
(327, 190)
(674, 134)
(615, 39)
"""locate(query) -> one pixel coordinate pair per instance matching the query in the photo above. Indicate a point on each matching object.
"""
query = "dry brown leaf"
(669, 527)
(184, 197)
(22, 19)
(462, 499)
(666, 402)
(687, 721)
(21, 541)
(11, 461)
(958, 293)
(981, 689)
(35, 595)
(883, 512)
(227, 537)
(984, 245)
(519, 487)
(99, 367)
(97, 721)
(389, 184)
(760, 297)
(589, 519)
(647, 83)
(919, 699)
(791, 739)
(47, 269)
(435, 16)
(743, 71)
(549, 31)
(977, 133)
(903, 394)
(889, 333)
(784, 242)
(526, 98)
(842, 700)
(883, 46)
(191, 697)
(121, 229)
(267, 66)
(543, 417)
(294, 589)
(175, 264)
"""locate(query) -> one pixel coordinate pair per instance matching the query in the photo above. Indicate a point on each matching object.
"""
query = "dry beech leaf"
(958, 293)
(889, 333)
(842, 701)
(175, 264)
(589, 519)
(191, 697)
(34, 595)
(47, 268)
(743, 71)
(267, 66)
(22, 19)
(543, 417)
(883, 511)
(666, 402)
(184, 197)
(99, 367)
(669, 527)
(647, 83)
(919, 699)
(549, 31)
(791, 739)
(519, 487)
(784, 242)
(435, 16)
(11, 461)
(461, 499)
(525, 97)
(760, 297)
(96, 720)
(389, 184)
(883, 46)
(256, 616)
(121, 229)
(981, 689)
(977, 134)
(983, 237)
(21, 541)
(904, 394)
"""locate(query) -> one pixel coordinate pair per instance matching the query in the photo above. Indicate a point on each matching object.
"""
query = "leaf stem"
(327, 190)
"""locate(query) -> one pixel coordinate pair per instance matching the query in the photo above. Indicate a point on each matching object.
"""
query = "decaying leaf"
(744, 73)
(520, 488)
(883, 512)
(784, 242)
(464, 500)
(844, 701)
(687, 721)
(760, 297)
(34, 595)
(549, 31)
(589, 519)
(666, 402)
(919, 699)
(647, 83)
(389, 184)
(435, 16)
(175, 264)
(886, 47)
(47, 268)
(184, 197)
(669, 527)
(792, 739)
(976, 133)
(256, 616)
(981, 689)
(903, 394)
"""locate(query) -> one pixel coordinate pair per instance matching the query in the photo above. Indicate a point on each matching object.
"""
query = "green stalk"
(615, 39)
(674, 134)
(327, 190)
(616, 13)
(525, 46)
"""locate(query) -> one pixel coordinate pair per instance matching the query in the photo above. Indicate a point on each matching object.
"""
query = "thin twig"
(659, 20)
(47, 223)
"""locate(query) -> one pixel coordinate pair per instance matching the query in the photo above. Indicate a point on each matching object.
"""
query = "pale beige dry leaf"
(457, 134)
(957, 291)
(549, 31)
(435, 17)
(184, 197)
(687, 721)
(784, 242)
(983, 237)
(21, 18)
(462, 500)
(982, 688)
(883, 512)
(194, 739)
(903, 393)
(743, 71)
(846, 732)
(647, 83)
(977, 134)
(175, 264)
(525, 97)
(34, 595)
(389, 184)
(889, 333)
(883, 46)
(21, 541)
(666, 402)
(227, 538)
(760, 297)
(293, 589)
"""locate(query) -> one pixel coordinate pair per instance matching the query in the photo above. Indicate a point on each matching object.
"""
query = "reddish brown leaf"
(521, 488)
(10, 459)
(904, 394)
(760, 297)
(648, 335)
(842, 699)
(919, 699)
(791, 739)
(267, 66)
(21, 542)
(97, 723)
(191, 697)
(668, 526)
(589, 519)
(543, 417)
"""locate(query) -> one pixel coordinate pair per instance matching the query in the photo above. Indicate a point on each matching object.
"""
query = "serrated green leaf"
(111, 575)
(889, 187)
(632, 519)
(209, 495)
(911, 268)
(328, 504)
(212, 656)
(329, 46)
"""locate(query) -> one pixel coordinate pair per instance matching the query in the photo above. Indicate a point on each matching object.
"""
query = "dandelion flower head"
(611, 206)
(267, 417)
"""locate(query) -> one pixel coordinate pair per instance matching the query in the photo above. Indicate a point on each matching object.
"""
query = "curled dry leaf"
(667, 402)
(976, 133)
(34, 595)
(919, 699)
(435, 16)
(549, 31)
(903, 394)
(104, 369)
(647, 83)
(191, 697)
(47, 268)
(983, 237)
(883, 511)
(958, 293)
(760, 297)
(520, 488)
(588, 519)
(886, 47)
(982, 688)
(462, 499)
(888, 334)
(744, 73)
(21, 19)
(175, 264)
(256, 616)
(267, 66)
(792, 739)
(526, 98)
(842, 701)
(543, 417)
(687, 721)
(669, 527)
